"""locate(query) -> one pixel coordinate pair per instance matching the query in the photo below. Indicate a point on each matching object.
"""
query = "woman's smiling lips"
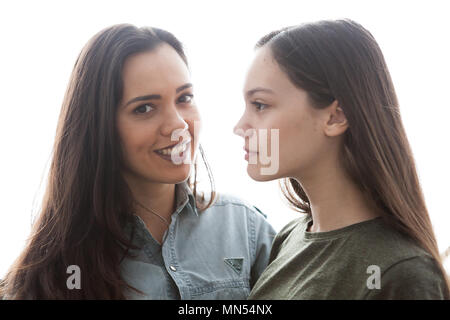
(175, 149)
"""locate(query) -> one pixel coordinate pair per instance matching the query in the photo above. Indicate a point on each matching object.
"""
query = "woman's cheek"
(195, 126)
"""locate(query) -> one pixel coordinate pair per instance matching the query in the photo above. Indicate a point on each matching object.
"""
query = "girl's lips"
(248, 151)
(247, 154)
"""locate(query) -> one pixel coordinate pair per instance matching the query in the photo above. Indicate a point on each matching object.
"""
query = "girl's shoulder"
(299, 223)
(407, 270)
(287, 232)
(384, 239)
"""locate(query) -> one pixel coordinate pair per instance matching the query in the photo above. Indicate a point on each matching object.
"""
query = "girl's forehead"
(264, 72)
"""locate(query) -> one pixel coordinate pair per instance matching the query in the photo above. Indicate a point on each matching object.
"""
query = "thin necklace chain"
(153, 212)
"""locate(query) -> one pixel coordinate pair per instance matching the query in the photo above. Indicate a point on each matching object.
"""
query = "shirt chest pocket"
(222, 290)
(227, 278)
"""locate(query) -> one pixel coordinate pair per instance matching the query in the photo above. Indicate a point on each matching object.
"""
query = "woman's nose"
(172, 122)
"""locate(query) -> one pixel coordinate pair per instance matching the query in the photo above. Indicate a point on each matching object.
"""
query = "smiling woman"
(146, 124)
(121, 205)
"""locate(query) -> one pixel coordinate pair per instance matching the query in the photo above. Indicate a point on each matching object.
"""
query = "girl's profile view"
(345, 164)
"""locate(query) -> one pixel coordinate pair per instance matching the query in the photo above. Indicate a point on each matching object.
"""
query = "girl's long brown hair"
(87, 202)
(340, 60)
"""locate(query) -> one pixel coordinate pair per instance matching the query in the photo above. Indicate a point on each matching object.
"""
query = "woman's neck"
(336, 202)
(150, 201)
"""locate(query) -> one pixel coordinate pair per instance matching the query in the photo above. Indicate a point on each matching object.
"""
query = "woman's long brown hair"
(340, 60)
(87, 202)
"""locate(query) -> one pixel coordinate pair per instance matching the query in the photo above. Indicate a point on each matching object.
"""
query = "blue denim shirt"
(215, 254)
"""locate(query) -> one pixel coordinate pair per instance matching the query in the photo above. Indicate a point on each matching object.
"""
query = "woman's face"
(273, 102)
(157, 119)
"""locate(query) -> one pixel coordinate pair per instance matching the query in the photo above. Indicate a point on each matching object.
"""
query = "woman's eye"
(186, 98)
(143, 109)
(259, 106)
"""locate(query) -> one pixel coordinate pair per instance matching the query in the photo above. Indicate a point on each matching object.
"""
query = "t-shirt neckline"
(337, 233)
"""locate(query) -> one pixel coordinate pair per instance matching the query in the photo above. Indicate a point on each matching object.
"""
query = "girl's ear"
(336, 122)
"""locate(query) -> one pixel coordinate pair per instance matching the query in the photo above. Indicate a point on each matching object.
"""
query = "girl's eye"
(186, 98)
(145, 108)
(259, 106)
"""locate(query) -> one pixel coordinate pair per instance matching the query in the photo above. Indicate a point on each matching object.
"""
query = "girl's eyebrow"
(251, 92)
(156, 96)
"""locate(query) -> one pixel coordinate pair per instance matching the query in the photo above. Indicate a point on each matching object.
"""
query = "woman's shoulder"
(235, 214)
(236, 205)
(231, 210)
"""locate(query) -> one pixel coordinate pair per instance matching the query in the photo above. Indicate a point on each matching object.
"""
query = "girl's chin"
(255, 172)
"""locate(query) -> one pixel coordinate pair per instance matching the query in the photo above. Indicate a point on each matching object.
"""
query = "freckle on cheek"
(140, 148)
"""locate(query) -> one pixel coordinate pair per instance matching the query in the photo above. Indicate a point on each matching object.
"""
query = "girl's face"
(156, 117)
(273, 102)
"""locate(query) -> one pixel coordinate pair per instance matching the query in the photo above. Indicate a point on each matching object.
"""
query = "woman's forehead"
(157, 69)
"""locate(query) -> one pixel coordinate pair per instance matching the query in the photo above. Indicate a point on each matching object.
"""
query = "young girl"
(347, 165)
(119, 218)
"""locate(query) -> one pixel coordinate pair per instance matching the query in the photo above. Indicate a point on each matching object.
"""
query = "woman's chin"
(177, 175)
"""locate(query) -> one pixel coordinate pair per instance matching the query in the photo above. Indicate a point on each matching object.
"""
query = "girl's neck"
(336, 201)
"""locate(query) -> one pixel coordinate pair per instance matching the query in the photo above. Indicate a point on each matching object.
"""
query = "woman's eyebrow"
(156, 96)
(184, 86)
(142, 98)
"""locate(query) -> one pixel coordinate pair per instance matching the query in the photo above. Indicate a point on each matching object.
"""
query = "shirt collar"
(183, 197)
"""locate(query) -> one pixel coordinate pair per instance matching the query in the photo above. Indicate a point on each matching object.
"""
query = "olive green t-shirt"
(366, 260)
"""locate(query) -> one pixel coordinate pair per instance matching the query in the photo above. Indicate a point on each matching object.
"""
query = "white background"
(40, 41)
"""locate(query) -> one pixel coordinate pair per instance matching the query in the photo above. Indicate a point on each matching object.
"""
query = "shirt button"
(173, 268)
